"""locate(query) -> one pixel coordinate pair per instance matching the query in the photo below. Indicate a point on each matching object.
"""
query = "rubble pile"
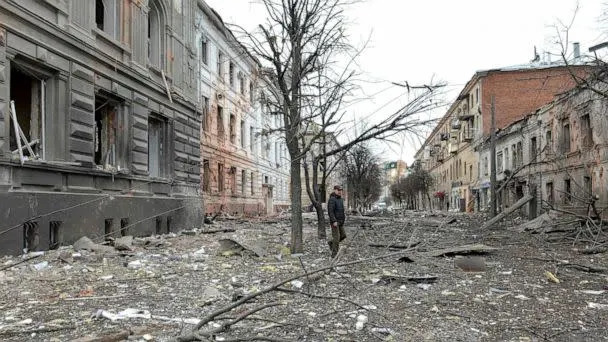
(421, 276)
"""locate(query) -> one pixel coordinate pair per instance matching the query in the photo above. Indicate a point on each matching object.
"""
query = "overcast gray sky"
(443, 40)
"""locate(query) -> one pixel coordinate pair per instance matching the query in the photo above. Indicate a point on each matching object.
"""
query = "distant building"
(450, 152)
(392, 171)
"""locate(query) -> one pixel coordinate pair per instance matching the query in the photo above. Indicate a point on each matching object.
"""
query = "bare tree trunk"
(296, 208)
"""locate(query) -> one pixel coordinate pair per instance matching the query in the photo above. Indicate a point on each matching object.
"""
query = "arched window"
(155, 35)
(107, 17)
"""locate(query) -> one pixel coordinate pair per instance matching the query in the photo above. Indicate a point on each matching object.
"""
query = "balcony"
(455, 125)
(466, 115)
(444, 137)
(453, 147)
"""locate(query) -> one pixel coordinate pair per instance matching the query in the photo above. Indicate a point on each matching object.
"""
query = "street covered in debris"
(407, 276)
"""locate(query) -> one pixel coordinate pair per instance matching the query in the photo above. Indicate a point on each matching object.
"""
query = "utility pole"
(493, 160)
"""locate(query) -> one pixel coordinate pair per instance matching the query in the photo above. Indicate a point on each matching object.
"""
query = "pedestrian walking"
(335, 209)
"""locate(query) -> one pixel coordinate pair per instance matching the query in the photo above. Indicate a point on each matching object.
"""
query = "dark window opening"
(265, 179)
(124, 226)
(242, 134)
(159, 225)
(205, 120)
(55, 238)
(107, 129)
(204, 51)
(252, 184)
(99, 14)
(231, 74)
(533, 149)
(567, 191)
(27, 92)
(220, 122)
(220, 59)
(549, 141)
(550, 197)
(243, 181)
(169, 221)
(206, 175)
(108, 230)
(232, 129)
(31, 236)
(251, 92)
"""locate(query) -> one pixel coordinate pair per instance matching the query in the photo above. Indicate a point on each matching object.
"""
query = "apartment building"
(245, 163)
(99, 124)
(451, 152)
(557, 154)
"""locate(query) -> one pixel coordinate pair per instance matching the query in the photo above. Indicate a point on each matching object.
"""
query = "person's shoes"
(342, 238)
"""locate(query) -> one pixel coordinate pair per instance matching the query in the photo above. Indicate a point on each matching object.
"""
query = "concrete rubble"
(155, 288)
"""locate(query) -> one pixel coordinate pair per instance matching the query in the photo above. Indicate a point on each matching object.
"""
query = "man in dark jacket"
(335, 209)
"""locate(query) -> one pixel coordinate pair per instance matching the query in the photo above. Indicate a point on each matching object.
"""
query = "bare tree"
(300, 45)
(363, 176)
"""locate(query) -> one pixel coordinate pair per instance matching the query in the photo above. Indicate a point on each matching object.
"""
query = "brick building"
(104, 137)
(557, 154)
(450, 153)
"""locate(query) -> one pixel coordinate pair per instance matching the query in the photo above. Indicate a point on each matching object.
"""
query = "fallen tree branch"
(282, 289)
(523, 201)
(221, 230)
(395, 246)
(19, 262)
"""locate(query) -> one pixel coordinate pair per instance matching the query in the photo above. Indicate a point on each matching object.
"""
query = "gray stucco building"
(108, 120)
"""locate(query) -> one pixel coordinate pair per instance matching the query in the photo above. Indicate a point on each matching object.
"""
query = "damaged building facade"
(451, 153)
(99, 120)
(557, 155)
(245, 165)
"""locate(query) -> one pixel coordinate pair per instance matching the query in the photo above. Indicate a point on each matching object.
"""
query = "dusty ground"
(175, 280)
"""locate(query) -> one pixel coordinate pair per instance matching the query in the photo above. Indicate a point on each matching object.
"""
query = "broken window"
(157, 145)
(232, 128)
(107, 17)
(155, 34)
(220, 177)
(28, 102)
(220, 122)
(586, 132)
(108, 130)
(566, 136)
(242, 134)
(232, 180)
(204, 51)
(513, 157)
(206, 175)
(108, 229)
(485, 166)
(567, 191)
(549, 190)
(31, 236)
(231, 74)
(124, 226)
(533, 149)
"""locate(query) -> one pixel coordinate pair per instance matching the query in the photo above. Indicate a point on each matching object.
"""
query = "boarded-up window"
(109, 132)
(204, 51)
